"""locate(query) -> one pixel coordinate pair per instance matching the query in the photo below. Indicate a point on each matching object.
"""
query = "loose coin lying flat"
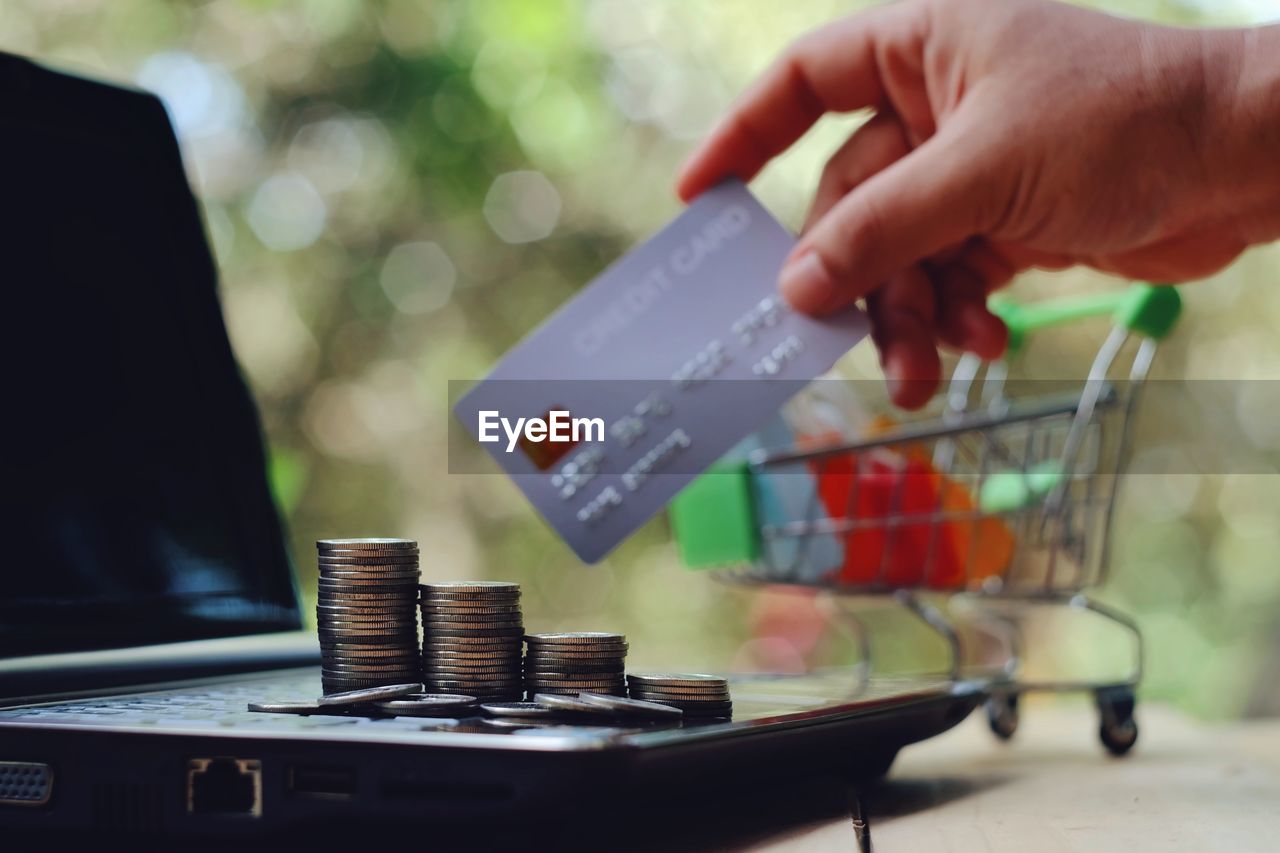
(517, 709)
(370, 694)
(427, 704)
(631, 707)
(287, 706)
(571, 705)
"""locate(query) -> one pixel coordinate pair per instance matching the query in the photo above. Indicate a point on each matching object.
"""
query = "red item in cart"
(883, 488)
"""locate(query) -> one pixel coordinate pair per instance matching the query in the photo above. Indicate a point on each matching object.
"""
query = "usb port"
(320, 780)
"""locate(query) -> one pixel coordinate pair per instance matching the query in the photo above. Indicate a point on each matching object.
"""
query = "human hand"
(1008, 134)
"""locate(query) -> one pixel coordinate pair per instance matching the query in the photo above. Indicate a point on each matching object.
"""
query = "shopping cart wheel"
(1002, 714)
(1118, 729)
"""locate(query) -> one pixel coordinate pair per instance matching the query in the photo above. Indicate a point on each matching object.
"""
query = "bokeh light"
(399, 191)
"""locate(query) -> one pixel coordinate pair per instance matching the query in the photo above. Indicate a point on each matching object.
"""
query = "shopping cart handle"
(1150, 310)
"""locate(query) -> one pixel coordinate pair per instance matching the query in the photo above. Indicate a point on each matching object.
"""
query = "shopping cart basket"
(1006, 502)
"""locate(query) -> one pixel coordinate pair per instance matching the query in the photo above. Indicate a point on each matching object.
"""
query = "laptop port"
(25, 783)
(224, 786)
(322, 780)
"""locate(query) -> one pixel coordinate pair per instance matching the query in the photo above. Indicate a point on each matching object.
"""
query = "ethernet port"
(224, 786)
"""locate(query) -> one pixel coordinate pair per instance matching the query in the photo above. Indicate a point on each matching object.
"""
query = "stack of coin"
(568, 664)
(695, 694)
(471, 639)
(365, 611)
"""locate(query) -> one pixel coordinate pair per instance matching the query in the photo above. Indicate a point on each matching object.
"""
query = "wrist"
(1242, 71)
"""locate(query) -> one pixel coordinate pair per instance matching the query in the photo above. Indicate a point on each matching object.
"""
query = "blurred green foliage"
(399, 190)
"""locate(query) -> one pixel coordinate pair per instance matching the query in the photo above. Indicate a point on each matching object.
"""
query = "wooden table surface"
(1186, 786)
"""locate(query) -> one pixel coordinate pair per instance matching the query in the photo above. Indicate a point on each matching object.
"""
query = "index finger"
(832, 69)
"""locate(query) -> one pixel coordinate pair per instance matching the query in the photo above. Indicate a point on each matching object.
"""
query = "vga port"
(25, 783)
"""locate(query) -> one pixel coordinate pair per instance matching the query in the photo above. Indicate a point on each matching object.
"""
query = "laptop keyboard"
(216, 707)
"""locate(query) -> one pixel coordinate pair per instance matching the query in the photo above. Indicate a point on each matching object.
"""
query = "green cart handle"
(1150, 310)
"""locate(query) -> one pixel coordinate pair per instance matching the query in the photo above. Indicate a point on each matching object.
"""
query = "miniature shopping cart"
(1002, 500)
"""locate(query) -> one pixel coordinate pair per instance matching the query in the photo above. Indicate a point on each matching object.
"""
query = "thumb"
(929, 200)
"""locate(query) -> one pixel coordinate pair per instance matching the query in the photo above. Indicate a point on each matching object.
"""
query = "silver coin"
(388, 575)
(679, 688)
(578, 652)
(510, 612)
(368, 562)
(368, 543)
(631, 707)
(479, 619)
(370, 632)
(573, 678)
(577, 638)
(477, 674)
(470, 601)
(401, 582)
(469, 643)
(517, 709)
(372, 694)
(676, 679)
(350, 659)
(641, 693)
(346, 685)
(570, 705)
(480, 691)
(508, 663)
(590, 686)
(336, 596)
(403, 639)
(389, 617)
(340, 554)
(496, 620)
(407, 629)
(395, 589)
(506, 628)
(428, 705)
(575, 688)
(287, 706)
(369, 553)
(692, 707)
(356, 597)
(356, 620)
(480, 587)
(338, 667)
(490, 683)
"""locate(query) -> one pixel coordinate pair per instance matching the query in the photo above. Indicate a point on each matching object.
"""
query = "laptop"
(149, 595)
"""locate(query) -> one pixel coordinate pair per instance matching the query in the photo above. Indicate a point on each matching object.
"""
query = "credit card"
(653, 371)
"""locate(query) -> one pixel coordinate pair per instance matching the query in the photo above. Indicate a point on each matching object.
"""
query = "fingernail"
(984, 333)
(806, 284)
(893, 370)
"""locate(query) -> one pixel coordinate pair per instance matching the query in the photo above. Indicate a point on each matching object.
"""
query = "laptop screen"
(136, 508)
